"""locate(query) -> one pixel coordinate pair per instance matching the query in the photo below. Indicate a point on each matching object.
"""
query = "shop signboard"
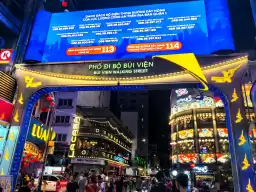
(39, 133)
(5, 56)
(203, 169)
(87, 161)
(130, 32)
(6, 183)
(6, 109)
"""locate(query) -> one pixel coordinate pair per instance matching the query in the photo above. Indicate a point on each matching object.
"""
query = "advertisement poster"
(6, 183)
(124, 33)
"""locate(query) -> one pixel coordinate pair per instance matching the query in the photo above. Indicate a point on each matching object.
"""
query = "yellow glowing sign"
(21, 99)
(239, 117)
(242, 139)
(75, 132)
(16, 117)
(245, 163)
(6, 155)
(249, 187)
(234, 96)
(227, 75)
(30, 82)
(11, 137)
(41, 133)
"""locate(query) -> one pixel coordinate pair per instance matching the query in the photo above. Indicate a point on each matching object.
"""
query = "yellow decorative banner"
(234, 96)
(188, 63)
(30, 82)
(227, 75)
(239, 117)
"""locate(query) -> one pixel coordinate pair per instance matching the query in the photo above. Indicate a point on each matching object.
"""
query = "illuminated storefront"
(199, 137)
(36, 142)
(99, 143)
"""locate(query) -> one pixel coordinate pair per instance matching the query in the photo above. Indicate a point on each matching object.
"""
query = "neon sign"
(182, 100)
(203, 169)
(119, 159)
(181, 92)
(41, 133)
(75, 132)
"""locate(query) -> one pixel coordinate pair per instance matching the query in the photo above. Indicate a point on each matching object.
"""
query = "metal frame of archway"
(223, 78)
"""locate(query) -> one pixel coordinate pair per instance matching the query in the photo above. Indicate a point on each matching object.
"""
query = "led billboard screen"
(128, 33)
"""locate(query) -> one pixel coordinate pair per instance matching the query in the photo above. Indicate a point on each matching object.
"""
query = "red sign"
(5, 56)
(6, 109)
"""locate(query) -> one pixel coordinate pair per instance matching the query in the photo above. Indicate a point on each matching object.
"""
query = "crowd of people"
(101, 183)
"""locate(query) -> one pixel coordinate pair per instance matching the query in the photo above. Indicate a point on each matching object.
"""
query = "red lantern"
(52, 103)
(64, 4)
(49, 98)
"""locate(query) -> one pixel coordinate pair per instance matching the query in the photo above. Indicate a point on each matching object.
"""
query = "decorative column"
(227, 84)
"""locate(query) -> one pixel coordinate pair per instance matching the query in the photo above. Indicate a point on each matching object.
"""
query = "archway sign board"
(221, 74)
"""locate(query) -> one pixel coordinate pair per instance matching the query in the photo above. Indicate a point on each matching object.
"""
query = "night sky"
(159, 131)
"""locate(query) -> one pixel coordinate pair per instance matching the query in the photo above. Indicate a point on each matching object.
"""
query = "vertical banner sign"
(75, 132)
(9, 150)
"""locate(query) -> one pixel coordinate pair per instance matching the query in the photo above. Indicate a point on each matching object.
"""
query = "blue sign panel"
(38, 133)
(128, 33)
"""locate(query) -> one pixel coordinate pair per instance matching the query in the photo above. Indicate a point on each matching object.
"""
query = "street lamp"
(144, 140)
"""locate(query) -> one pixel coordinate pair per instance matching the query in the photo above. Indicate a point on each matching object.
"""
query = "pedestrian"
(119, 184)
(159, 186)
(138, 183)
(32, 185)
(111, 185)
(102, 184)
(82, 183)
(25, 187)
(72, 185)
(92, 185)
(182, 182)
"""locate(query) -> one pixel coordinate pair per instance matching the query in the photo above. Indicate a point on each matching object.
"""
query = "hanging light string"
(95, 121)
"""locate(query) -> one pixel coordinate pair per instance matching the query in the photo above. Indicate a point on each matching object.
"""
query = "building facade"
(199, 137)
(132, 108)
(102, 142)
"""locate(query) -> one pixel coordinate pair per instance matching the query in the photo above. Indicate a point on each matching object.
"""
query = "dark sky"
(159, 130)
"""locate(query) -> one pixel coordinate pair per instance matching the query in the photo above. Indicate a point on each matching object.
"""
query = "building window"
(61, 137)
(62, 119)
(65, 102)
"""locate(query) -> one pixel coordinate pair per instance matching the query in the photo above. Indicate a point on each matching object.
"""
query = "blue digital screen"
(129, 32)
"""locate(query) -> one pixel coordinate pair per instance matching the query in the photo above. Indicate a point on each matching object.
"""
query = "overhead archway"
(221, 74)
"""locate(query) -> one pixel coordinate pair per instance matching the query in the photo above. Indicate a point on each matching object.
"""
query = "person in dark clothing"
(25, 187)
(72, 185)
(119, 184)
(182, 182)
(159, 187)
